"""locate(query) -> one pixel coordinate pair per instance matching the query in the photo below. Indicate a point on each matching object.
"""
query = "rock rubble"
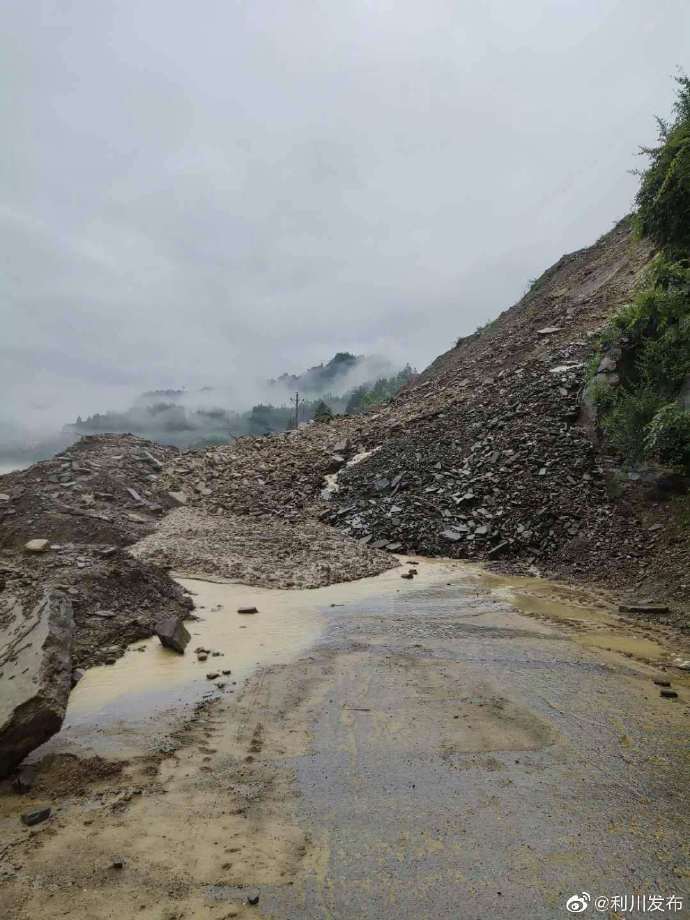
(256, 551)
(504, 473)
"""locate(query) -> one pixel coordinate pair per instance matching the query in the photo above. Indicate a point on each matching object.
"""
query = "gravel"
(305, 554)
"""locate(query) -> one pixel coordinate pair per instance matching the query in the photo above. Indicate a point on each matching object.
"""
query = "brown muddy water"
(125, 708)
(129, 708)
(592, 615)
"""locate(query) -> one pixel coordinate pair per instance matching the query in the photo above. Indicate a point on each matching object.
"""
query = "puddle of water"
(113, 707)
(627, 644)
(603, 629)
(120, 709)
(544, 601)
(538, 595)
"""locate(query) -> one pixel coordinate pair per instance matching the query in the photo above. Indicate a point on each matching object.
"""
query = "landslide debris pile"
(296, 555)
(486, 454)
(489, 454)
(83, 507)
(247, 512)
(278, 476)
(503, 471)
(105, 488)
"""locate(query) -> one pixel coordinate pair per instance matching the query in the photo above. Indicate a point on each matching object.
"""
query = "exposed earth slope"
(491, 453)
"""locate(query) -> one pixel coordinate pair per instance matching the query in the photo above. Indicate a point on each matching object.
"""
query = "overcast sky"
(207, 192)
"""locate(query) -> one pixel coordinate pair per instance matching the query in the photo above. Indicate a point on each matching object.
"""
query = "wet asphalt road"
(472, 762)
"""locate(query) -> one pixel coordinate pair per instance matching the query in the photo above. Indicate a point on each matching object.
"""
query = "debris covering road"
(491, 454)
(255, 552)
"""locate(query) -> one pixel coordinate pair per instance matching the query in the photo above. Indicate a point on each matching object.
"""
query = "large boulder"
(35, 674)
(172, 633)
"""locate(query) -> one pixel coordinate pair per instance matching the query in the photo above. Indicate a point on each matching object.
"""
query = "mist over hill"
(198, 417)
(343, 372)
(347, 384)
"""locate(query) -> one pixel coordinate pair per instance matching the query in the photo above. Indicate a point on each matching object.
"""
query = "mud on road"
(428, 751)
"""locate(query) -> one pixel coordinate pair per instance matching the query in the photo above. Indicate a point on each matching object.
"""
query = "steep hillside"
(489, 455)
(563, 309)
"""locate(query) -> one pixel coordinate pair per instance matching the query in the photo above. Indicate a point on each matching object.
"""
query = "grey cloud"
(214, 193)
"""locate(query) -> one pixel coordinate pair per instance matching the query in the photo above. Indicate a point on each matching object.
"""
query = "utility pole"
(296, 411)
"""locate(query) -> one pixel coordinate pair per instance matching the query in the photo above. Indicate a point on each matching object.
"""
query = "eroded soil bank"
(422, 748)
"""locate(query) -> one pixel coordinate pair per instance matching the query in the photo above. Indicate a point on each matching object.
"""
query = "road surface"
(434, 753)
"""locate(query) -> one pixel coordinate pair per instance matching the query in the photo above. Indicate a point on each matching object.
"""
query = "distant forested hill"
(346, 384)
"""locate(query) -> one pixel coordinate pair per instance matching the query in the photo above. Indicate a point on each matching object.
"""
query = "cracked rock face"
(35, 674)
